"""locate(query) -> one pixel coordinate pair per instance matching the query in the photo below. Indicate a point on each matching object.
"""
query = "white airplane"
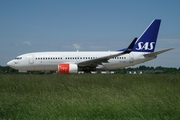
(139, 51)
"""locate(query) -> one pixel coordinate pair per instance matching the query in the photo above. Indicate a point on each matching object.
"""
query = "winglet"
(130, 47)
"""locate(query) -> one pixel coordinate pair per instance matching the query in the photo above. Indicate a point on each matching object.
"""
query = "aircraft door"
(131, 58)
(31, 59)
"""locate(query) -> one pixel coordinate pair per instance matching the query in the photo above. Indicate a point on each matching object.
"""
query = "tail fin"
(147, 41)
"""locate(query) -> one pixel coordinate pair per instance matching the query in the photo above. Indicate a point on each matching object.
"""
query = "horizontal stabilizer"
(157, 52)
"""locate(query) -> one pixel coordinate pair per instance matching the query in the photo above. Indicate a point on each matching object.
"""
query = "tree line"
(150, 70)
(128, 70)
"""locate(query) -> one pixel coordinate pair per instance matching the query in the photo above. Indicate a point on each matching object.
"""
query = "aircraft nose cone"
(10, 63)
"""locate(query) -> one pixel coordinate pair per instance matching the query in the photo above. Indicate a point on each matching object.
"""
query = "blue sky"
(68, 25)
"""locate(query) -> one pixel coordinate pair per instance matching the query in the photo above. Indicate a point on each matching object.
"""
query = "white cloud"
(27, 43)
(171, 40)
(96, 47)
(76, 46)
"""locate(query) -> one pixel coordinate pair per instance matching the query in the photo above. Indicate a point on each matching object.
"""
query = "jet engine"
(67, 68)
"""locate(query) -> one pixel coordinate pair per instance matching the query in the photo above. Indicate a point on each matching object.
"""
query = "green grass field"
(87, 96)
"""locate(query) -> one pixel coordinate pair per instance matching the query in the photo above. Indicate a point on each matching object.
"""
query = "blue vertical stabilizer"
(147, 41)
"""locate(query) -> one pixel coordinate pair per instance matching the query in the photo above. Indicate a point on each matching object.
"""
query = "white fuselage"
(48, 61)
(139, 50)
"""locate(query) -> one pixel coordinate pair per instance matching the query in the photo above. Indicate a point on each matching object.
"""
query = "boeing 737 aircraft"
(140, 50)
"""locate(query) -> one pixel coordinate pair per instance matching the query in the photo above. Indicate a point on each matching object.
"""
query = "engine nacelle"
(67, 68)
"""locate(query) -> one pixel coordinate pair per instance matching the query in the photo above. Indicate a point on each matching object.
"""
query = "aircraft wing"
(157, 53)
(104, 59)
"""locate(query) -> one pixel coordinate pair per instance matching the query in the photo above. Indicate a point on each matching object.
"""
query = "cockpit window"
(18, 58)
